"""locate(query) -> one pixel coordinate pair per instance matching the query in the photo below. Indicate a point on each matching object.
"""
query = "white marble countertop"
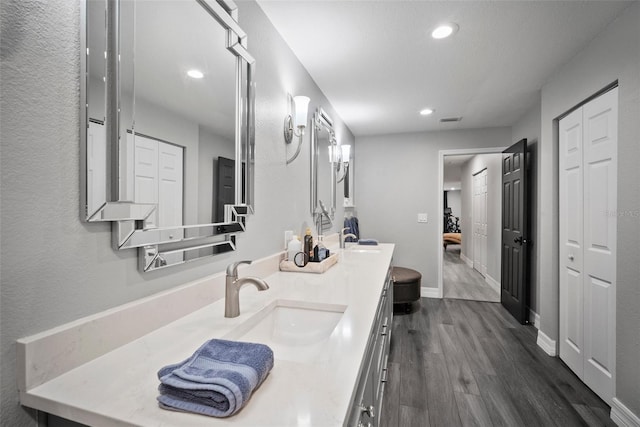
(120, 386)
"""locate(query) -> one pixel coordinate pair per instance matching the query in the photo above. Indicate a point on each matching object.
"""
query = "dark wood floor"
(463, 282)
(468, 363)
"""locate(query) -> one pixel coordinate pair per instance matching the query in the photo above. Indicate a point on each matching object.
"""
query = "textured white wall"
(397, 178)
(613, 55)
(54, 267)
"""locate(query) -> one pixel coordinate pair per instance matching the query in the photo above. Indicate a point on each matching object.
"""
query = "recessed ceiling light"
(195, 74)
(444, 31)
(426, 112)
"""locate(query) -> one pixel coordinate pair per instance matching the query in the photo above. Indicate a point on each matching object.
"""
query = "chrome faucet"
(343, 236)
(233, 285)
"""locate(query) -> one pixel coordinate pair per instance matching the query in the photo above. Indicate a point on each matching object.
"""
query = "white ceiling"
(378, 66)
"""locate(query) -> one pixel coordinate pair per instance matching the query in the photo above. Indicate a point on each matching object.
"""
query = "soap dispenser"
(293, 247)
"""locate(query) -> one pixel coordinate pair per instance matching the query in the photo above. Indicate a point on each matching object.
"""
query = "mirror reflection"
(324, 152)
(178, 112)
(169, 94)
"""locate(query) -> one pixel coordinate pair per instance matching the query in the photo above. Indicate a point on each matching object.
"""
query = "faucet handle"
(232, 269)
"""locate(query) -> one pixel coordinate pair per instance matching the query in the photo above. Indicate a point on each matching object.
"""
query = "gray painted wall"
(397, 178)
(613, 55)
(55, 268)
(493, 164)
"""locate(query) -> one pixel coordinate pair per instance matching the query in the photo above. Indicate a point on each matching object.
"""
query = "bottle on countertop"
(320, 252)
(307, 246)
(293, 247)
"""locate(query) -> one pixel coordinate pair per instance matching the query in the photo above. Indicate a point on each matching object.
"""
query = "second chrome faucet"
(233, 284)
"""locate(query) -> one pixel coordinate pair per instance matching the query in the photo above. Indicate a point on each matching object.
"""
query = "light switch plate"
(423, 217)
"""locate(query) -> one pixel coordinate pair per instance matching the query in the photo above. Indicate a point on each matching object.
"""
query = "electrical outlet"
(423, 217)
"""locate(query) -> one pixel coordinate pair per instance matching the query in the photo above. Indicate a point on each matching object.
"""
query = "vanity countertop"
(119, 388)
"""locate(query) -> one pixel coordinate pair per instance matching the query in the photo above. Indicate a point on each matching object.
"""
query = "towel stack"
(217, 380)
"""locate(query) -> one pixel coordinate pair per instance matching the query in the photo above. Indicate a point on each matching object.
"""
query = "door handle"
(571, 257)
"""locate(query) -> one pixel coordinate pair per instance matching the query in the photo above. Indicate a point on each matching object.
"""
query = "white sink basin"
(295, 330)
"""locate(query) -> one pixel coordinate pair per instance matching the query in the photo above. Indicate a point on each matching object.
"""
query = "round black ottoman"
(406, 286)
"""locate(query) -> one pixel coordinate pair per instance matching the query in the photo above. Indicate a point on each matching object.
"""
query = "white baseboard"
(466, 260)
(622, 416)
(495, 285)
(547, 344)
(430, 292)
(534, 319)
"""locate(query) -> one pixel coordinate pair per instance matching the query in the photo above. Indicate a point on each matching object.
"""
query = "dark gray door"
(515, 269)
(226, 190)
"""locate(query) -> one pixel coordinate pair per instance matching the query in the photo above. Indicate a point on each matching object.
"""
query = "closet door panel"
(145, 167)
(600, 159)
(571, 242)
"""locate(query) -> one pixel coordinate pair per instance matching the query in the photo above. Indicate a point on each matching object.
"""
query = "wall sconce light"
(346, 152)
(295, 126)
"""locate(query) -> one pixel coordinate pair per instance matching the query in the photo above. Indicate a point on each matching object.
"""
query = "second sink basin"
(295, 330)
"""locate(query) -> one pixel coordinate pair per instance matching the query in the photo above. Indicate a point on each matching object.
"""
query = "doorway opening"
(469, 264)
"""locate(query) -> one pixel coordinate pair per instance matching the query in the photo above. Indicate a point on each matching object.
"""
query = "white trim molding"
(547, 344)
(467, 261)
(430, 292)
(495, 285)
(623, 416)
(534, 319)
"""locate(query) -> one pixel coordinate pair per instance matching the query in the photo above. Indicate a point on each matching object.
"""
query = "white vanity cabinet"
(365, 408)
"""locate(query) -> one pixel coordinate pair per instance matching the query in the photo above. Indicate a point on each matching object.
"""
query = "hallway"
(463, 282)
(468, 363)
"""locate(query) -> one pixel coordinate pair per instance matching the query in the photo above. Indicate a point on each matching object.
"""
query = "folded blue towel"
(217, 380)
(368, 242)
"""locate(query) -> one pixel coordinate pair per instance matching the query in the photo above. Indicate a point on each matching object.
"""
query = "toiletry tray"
(311, 267)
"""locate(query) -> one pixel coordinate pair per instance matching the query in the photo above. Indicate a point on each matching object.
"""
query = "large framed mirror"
(167, 136)
(323, 171)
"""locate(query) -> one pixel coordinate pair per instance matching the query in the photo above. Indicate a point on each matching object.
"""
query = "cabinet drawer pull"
(384, 330)
(385, 372)
(361, 424)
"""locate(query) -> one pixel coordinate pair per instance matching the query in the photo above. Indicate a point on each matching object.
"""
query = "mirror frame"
(127, 217)
(322, 121)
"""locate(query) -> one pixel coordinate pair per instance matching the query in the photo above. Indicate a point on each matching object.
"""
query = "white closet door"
(96, 167)
(145, 171)
(170, 200)
(588, 221)
(480, 222)
(571, 242)
(600, 224)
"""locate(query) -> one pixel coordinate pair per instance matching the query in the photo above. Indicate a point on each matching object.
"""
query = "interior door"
(571, 241)
(480, 222)
(170, 195)
(96, 167)
(600, 228)
(514, 279)
(588, 225)
(145, 169)
(226, 189)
